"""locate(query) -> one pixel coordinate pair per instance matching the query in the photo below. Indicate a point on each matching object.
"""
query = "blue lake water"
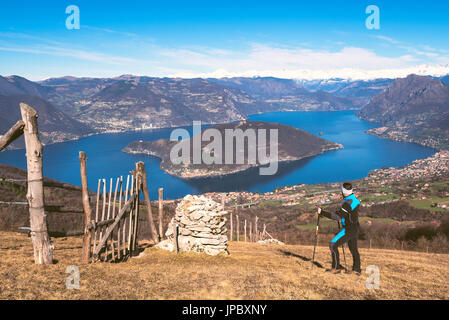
(361, 154)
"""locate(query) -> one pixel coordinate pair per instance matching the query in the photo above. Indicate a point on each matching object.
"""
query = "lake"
(361, 153)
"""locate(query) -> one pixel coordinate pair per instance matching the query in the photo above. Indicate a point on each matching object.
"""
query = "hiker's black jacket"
(348, 213)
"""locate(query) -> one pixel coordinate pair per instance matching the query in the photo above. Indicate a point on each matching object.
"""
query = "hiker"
(348, 216)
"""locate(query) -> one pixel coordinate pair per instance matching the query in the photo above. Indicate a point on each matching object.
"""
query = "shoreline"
(199, 192)
(116, 131)
(237, 171)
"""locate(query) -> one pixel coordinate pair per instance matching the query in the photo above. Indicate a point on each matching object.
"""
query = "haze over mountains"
(71, 107)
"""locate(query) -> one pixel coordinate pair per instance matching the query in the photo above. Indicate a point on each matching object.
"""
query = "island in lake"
(292, 144)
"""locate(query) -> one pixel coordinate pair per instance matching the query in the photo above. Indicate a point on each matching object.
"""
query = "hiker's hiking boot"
(336, 270)
(357, 273)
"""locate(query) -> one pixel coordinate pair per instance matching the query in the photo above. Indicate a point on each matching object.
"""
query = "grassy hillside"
(251, 271)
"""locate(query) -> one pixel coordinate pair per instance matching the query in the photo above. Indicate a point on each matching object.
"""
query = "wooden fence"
(111, 231)
(252, 235)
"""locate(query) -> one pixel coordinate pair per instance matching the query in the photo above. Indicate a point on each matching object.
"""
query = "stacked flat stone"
(201, 227)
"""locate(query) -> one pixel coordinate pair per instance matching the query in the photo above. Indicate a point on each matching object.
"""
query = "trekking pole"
(316, 238)
(343, 247)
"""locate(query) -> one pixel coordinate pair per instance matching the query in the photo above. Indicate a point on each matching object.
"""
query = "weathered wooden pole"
(43, 250)
(15, 132)
(119, 233)
(244, 230)
(255, 229)
(161, 212)
(140, 169)
(124, 221)
(131, 211)
(250, 231)
(103, 211)
(96, 213)
(154, 234)
(86, 207)
(176, 235)
(113, 216)
(232, 227)
(106, 252)
(238, 228)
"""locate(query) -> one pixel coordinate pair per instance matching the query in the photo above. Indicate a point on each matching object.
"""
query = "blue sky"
(294, 39)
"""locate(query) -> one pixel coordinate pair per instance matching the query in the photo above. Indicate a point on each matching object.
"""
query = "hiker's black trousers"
(341, 238)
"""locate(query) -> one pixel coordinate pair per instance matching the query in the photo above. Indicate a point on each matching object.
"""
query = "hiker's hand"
(319, 210)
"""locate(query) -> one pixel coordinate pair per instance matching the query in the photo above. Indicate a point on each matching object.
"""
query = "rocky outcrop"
(201, 227)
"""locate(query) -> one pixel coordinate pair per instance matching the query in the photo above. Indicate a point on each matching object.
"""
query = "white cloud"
(288, 62)
(388, 39)
(255, 59)
(261, 57)
(73, 53)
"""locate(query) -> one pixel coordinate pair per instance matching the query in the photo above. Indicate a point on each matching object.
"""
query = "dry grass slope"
(252, 271)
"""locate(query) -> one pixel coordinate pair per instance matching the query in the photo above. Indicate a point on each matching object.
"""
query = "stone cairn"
(201, 227)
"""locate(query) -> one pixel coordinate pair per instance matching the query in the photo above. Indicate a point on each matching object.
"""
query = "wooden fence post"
(106, 252)
(238, 228)
(255, 229)
(124, 221)
(232, 234)
(113, 217)
(244, 230)
(119, 234)
(146, 194)
(250, 231)
(131, 213)
(264, 231)
(140, 170)
(96, 213)
(43, 250)
(176, 233)
(86, 207)
(161, 212)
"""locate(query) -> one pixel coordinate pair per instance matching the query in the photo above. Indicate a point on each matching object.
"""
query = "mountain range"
(71, 107)
(415, 108)
(363, 90)
(54, 125)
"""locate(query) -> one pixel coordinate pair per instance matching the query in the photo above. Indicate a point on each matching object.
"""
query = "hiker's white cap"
(346, 192)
